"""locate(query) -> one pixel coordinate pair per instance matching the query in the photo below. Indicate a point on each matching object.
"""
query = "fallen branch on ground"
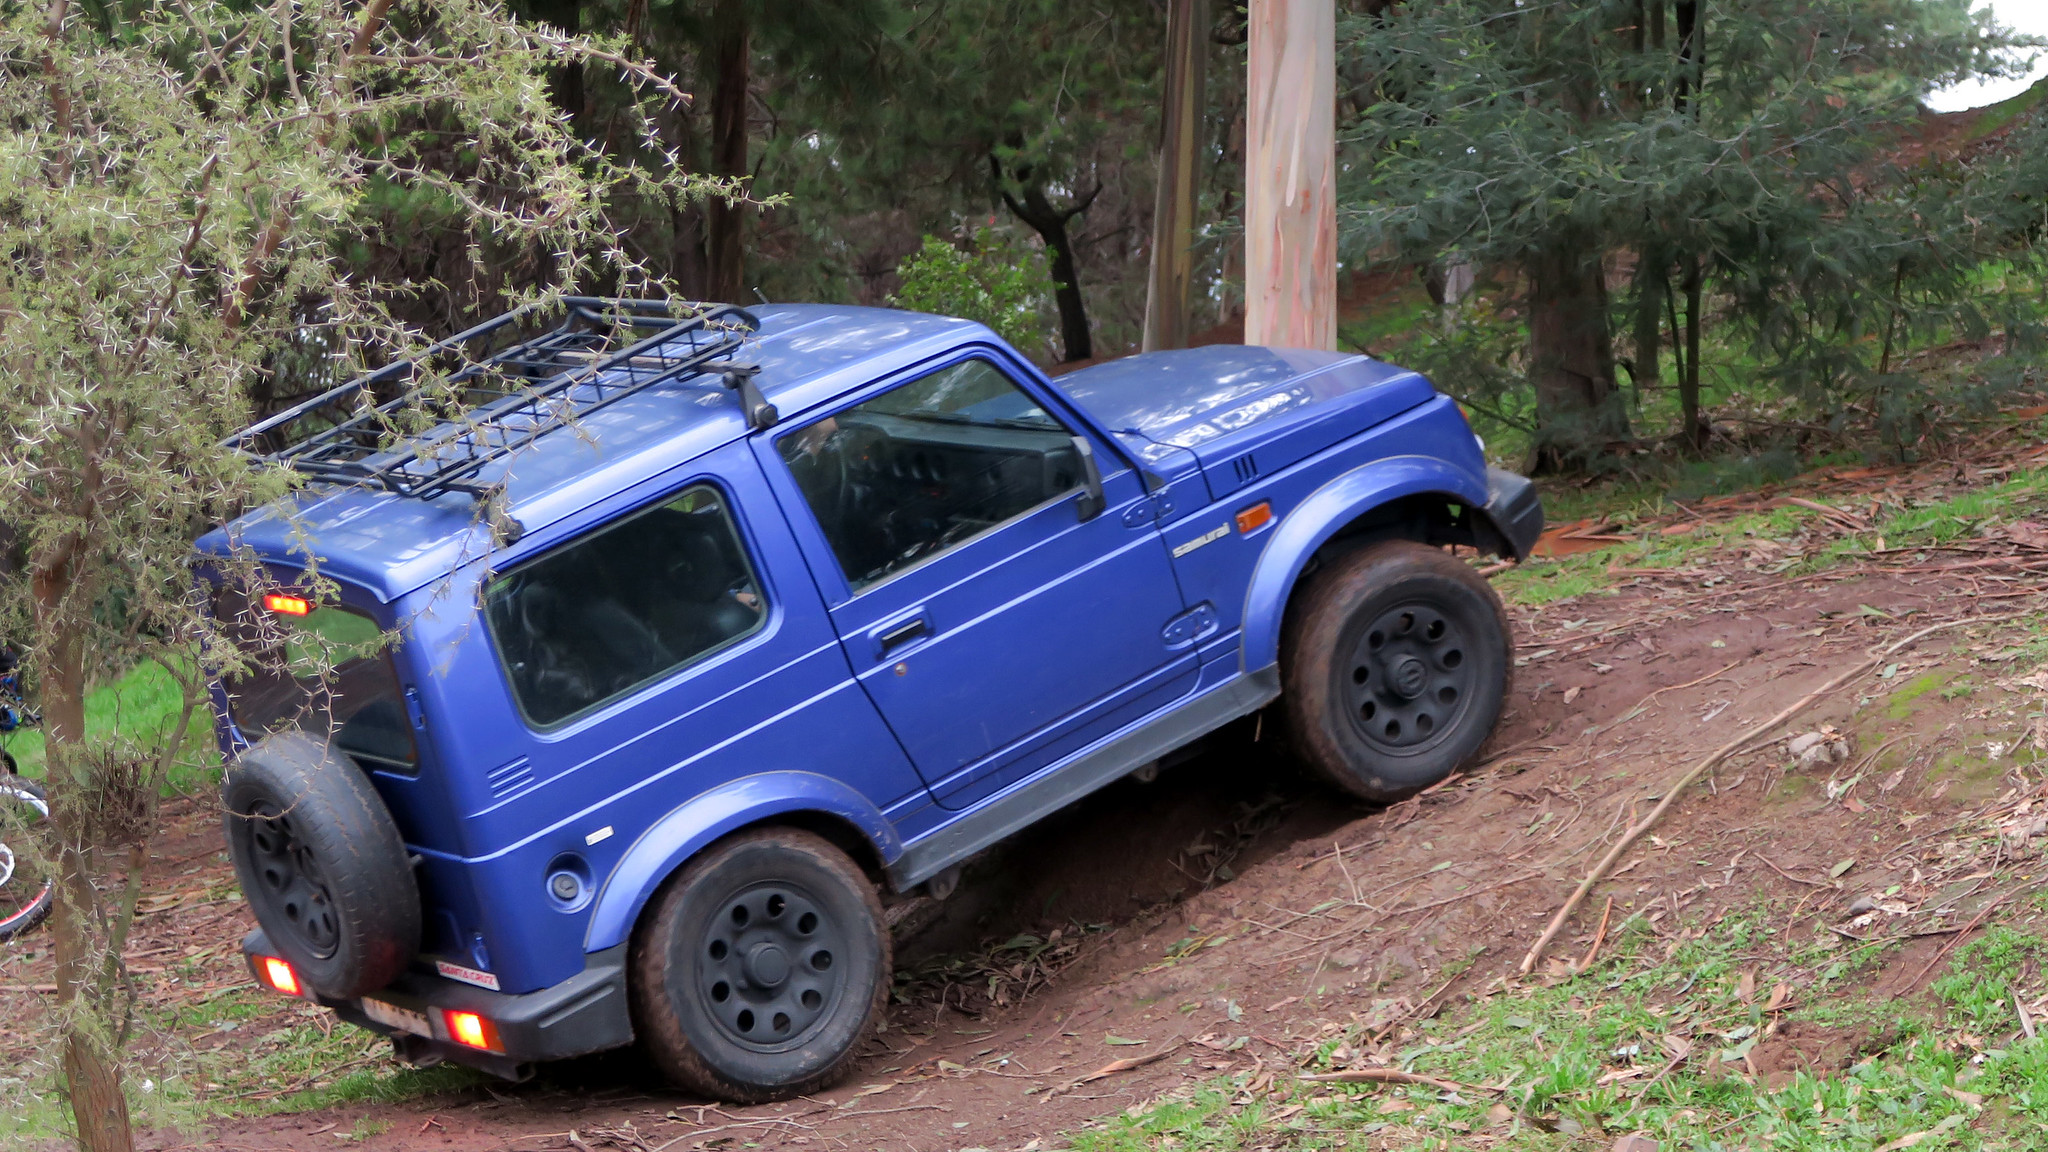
(1965, 931)
(1392, 1076)
(1720, 754)
(1114, 1067)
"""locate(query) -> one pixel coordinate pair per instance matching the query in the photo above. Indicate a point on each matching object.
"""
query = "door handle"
(903, 632)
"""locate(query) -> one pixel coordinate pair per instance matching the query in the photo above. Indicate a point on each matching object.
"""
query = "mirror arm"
(1092, 501)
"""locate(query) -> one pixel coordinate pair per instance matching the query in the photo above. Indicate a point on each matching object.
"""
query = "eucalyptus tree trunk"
(1290, 174)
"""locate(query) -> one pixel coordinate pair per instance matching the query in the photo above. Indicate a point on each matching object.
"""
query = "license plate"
(403, 1019)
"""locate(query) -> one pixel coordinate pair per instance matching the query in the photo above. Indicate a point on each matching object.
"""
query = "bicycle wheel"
(25, 884)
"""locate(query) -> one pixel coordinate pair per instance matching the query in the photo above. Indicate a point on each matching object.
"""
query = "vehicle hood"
(1243, 411)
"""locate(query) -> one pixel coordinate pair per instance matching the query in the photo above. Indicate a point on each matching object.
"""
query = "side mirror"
(1092, 501)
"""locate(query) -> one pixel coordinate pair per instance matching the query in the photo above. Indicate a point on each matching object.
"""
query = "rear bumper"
(583, 1014)
(1515, 509)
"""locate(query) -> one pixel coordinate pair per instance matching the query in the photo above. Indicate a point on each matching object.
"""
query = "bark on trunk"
(1691, 427)
(1692, 54)
(1648, 369)
(1571, 359)
(92, 1067)
(565, 83)
(1290, 174)
(1180, 145)
(726, 223)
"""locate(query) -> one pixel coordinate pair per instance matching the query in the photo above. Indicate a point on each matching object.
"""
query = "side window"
(935, 462)
(638, 598)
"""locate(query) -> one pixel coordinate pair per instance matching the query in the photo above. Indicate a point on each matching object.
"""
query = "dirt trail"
(1232, 915)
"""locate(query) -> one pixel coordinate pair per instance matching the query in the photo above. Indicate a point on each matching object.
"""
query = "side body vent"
(508, 779)
(1245, 469)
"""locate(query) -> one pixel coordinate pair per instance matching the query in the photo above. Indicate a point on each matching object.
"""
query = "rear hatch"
(1244, 412)
(321, 668)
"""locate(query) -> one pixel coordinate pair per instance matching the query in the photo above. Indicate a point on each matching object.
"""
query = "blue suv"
(659, 646)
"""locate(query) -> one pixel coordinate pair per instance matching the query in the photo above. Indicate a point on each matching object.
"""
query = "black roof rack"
(431, 439)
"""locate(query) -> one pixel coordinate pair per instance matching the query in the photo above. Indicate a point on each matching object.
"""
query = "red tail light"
(285, 605)
(278, 975)
(471, 1030)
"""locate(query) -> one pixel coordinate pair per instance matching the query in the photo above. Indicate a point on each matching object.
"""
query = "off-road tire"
(321, 864)
(721, 997)
(1394, 662)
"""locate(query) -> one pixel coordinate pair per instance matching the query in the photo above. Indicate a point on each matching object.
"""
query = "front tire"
(1395, 663)
(761, 967)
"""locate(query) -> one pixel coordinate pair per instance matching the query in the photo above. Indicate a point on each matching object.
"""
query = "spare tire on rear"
(321, 864)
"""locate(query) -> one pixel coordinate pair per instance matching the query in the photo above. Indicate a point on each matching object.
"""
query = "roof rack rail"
(430, 439)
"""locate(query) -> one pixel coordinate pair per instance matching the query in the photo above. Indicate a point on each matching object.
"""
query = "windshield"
(288, 641)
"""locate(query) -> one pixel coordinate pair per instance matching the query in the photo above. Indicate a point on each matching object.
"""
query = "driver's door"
(996, 619)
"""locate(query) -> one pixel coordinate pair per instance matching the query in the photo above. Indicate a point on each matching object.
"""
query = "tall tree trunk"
(1029, 204)
(725, 224)
(1051, 225)
(1571, 357)
(1180, 146)
(1650, 286)
(1693, 429)
(1290, 174)
(91, 1062)
(687, 265)
(565, 83)
(1692, 56)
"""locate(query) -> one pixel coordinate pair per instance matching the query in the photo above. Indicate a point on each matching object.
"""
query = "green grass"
(142, 705)
(182, 1081)
(1545, 580)
(1550, 1049)
(1951, 521)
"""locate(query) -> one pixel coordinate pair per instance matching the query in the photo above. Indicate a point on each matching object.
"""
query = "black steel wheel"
(760, 967)
(26, 887)
(1410, 682)
(1394, 666)
(292, 880)
(768, 975)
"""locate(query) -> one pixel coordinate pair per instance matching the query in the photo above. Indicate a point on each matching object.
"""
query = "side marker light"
(1255, 517)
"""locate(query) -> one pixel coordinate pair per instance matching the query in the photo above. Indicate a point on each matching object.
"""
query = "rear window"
(627, 604)
(289, 640)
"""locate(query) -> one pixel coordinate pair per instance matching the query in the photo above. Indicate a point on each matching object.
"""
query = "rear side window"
(289, 640)
(633, 601)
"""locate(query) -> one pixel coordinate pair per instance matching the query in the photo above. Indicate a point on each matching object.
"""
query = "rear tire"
(1395, 663)
(760, 968)
(321, 864)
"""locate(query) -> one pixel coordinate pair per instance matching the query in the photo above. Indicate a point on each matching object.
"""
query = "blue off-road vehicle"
(673, 642)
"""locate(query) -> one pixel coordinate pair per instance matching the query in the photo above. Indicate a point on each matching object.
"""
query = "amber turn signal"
(471, 1030)
(1255, 516)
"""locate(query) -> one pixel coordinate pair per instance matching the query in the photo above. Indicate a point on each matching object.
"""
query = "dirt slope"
(1232, 916)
